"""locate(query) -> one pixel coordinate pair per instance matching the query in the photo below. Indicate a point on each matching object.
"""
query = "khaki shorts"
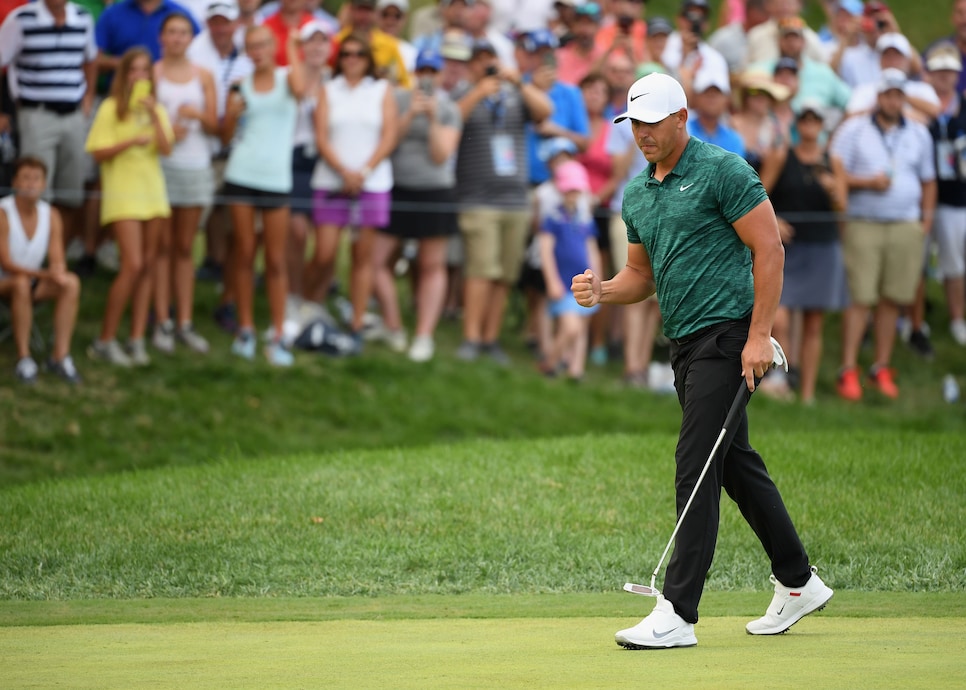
(883, 260)
(494, 241)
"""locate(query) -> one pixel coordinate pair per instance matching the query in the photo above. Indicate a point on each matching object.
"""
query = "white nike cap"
(652, 98)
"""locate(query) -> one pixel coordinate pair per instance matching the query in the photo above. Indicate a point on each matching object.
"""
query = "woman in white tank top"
(355, 130)
(187, 92)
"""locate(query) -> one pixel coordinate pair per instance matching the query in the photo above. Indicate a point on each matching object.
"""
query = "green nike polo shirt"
(702, 269)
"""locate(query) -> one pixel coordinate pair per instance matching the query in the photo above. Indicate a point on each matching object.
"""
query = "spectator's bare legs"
(321, 269)
(854, 320)
(383, 281)
(956, 297)
(218, 236)
(360, 276)
(431, 286)
(811, 353)
(884, 322)
(93, 232)
(295, 252)
(640, 329)
(130, 246)
(570, 344)
(186, 222)
(141, 300)
(17, 289)
(66, 296)
(162, 271)
(243, 263)
(275, 237)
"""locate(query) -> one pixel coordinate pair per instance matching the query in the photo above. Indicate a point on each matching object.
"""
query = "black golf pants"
(707, 373)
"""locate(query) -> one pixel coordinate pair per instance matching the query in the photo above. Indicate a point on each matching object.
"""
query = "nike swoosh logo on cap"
(658, 636)
(634, 98)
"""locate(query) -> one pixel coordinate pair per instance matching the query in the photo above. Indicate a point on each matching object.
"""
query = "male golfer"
(702, 234)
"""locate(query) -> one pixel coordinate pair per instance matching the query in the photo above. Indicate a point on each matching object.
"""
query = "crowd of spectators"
(472, 141)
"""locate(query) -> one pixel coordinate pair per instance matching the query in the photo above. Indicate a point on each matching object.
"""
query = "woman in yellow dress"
(129, 134)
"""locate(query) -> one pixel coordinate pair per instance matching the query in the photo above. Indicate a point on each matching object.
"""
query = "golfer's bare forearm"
(768, 272)
(627, 287)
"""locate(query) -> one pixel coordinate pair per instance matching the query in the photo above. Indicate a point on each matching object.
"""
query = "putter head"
(641, 589)
(779, 361)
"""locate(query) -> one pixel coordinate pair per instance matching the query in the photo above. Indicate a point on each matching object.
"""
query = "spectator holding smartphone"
(130, 132)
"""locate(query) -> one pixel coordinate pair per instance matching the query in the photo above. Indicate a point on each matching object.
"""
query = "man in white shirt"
(895, 52)
(31, 234)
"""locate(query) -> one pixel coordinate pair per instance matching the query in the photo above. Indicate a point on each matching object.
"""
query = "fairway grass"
(820, 652)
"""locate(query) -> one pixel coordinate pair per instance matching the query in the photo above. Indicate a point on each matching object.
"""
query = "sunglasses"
(392, 15)
(351, 53)
(757, 92)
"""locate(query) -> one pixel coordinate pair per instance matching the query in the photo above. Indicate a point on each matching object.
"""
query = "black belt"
(58, 108)
(701, 332)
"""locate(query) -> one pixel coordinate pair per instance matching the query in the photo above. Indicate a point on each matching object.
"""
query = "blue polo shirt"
(724, 136)
(570, 113)
(124, 25)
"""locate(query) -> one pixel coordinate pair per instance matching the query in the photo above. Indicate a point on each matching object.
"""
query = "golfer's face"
(658, 140)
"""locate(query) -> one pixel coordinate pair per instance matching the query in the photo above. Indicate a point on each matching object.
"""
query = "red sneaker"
(848, 385)
(882, 378)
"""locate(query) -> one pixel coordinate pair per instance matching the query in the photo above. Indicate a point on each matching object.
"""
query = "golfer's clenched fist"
(586, 288)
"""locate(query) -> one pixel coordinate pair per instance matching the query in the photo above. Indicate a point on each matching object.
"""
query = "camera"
(696, 21)
(625, 23)
(882, 25)
(491, 71)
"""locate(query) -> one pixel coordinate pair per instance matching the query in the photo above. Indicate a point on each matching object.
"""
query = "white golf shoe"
(662, 629)
(789, 606)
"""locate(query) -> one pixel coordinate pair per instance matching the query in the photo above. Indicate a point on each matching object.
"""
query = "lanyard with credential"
(890, 143)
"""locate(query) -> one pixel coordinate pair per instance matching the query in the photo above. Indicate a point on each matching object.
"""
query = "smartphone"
(549, 59)
(882, 25)
(140, 91)
(426, 85)
(491, 71)
(625, 23)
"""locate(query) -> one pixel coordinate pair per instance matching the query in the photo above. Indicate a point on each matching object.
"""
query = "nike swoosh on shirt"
(634, 98)
(684, 189)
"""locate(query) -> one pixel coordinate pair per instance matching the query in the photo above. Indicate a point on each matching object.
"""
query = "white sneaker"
(138, 353)
(190, 338)
(110, 352)
(422, 349)
(958, 330)
(397, 340)
(789, 606)
(662, 629)
(163, 337)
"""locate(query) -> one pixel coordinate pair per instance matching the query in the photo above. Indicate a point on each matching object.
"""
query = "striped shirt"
(48, 59)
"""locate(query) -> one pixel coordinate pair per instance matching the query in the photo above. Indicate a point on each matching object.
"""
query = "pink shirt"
(597, 161)
(572, 66)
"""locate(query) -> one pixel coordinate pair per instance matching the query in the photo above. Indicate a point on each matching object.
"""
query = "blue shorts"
(568, 305)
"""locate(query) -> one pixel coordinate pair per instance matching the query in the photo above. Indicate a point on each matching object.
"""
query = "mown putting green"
(821, 652)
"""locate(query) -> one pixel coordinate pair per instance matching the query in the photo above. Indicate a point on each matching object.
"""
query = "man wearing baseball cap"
(763, 39)
(703, 236)
(887, 163)
(895, 52)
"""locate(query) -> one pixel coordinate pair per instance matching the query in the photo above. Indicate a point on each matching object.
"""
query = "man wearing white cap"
(887, 163)
(703, 236)
(895, 52)
(392, 20)
(711, 101)
(944, 65)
